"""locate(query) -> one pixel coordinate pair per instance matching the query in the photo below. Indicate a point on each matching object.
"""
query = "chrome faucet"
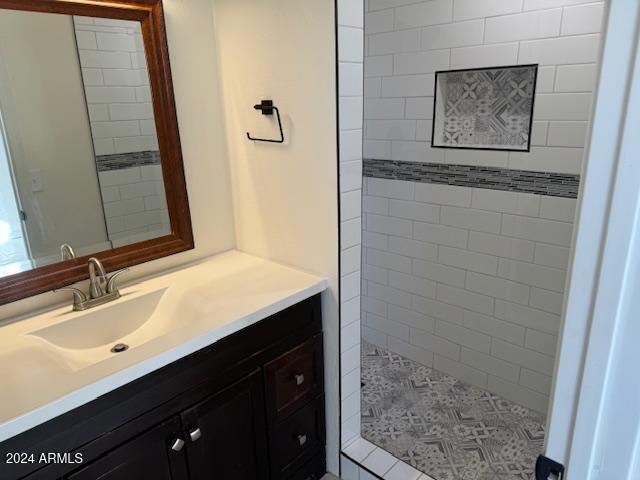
(102, 289)
(96, 282)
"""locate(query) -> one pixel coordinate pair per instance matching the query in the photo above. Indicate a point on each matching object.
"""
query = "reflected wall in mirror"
(79, 160)
(90, 158)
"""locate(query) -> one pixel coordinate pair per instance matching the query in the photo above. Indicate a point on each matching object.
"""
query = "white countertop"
(225, 293)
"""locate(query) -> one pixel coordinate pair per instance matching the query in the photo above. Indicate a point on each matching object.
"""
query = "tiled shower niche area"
(465, 252)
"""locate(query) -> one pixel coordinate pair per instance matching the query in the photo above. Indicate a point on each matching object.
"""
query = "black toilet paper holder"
(267, 108)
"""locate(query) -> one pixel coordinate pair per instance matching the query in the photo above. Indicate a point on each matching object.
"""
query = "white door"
(593, 430)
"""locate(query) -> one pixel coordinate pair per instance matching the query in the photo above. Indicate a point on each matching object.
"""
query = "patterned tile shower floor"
(446, 428)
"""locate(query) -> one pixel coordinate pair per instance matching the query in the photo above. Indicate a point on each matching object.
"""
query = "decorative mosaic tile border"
(493, 178)
(120, 161)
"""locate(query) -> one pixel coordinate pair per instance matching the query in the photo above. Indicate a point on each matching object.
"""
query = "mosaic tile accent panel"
(444, 427)
(495, 178)
(484, 108)
(120, 161)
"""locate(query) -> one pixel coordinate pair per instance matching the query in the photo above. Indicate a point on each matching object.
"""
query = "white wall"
(285, 195)
(192, 51)
(116, 82)
(407, 41)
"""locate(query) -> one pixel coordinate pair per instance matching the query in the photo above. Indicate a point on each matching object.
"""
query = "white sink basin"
(95, 328)
(86, 338)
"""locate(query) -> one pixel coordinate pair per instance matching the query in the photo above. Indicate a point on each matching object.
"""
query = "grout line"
(484, 32)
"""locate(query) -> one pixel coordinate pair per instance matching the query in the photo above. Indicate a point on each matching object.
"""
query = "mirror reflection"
(80, 167)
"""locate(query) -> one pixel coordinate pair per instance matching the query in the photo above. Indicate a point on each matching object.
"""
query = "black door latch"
(545, 468)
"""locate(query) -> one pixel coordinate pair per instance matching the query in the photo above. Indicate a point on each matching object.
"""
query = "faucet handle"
(78, 295)
(111, 283)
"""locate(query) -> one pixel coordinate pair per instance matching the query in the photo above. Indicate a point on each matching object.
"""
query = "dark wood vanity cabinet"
(219, 448)
(249, 407)
(146, 456)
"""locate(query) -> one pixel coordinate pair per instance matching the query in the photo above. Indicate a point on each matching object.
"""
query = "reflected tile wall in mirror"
(118, 92)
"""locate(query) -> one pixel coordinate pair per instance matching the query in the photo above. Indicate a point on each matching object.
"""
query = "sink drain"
(119, 347)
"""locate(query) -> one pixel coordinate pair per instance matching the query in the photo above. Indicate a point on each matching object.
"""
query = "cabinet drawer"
(298, 438)
(294, 378)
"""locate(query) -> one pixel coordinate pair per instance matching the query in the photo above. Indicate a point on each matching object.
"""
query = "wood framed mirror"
(90, 151)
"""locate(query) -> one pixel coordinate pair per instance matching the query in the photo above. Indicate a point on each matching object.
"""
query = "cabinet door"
(226, 436)
(156, 454)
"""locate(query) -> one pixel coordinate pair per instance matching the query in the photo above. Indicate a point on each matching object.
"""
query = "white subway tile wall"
(406, 41)
(467, 280)
(134, 202)
(116, 79)
(350, 113)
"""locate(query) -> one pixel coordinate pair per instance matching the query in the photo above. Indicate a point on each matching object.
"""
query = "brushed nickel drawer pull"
(177, 444)
(195, 434)
(299, 378)
(302, 439)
